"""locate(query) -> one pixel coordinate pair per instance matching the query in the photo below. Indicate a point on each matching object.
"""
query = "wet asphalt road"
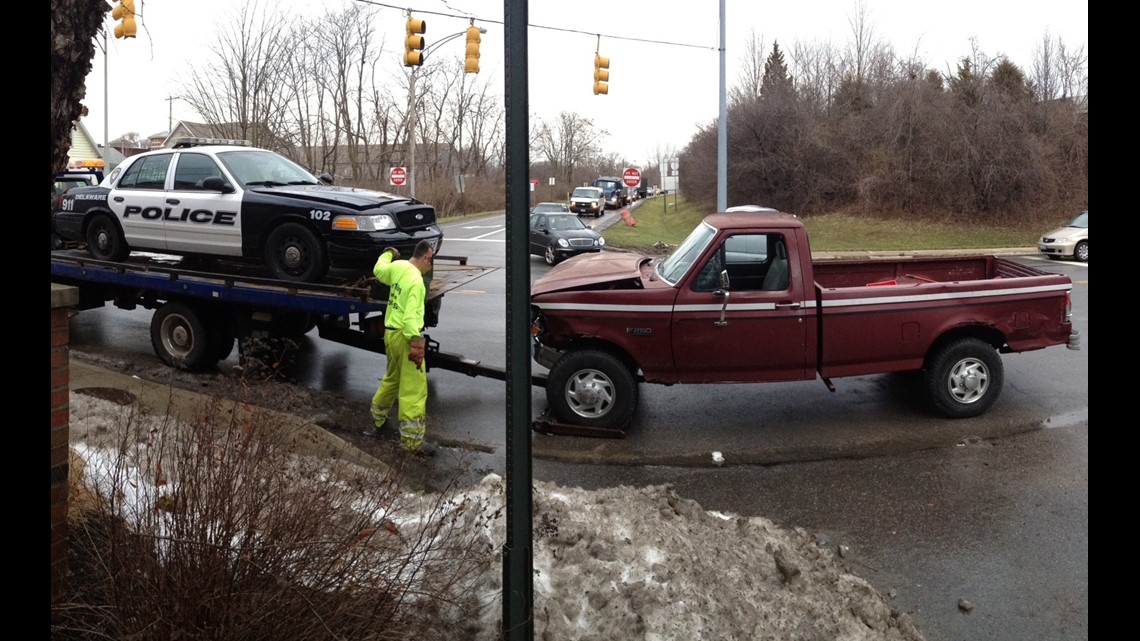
(992, 510)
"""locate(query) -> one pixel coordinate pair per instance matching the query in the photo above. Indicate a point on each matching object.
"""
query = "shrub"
(218, 527)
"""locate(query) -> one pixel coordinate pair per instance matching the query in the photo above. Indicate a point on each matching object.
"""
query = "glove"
(395, 252)
(416, 353)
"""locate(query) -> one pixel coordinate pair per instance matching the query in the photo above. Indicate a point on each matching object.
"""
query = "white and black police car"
(224, 198)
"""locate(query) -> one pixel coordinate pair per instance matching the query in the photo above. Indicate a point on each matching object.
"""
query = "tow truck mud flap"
(546, 425)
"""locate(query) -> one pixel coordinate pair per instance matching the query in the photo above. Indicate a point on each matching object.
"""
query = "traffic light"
(601, 75)
(414, 43)
(124, 12)
(471, 62)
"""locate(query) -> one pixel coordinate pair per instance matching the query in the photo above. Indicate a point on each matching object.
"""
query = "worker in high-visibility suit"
(404, 344)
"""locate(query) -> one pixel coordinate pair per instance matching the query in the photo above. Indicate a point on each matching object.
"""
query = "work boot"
(427, 449)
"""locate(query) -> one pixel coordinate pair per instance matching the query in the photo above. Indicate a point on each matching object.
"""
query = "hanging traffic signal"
(124, 12)
(414, 43)
(471, 62)
(601, 75)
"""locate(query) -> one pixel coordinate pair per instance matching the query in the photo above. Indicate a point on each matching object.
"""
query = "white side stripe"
(806, 304)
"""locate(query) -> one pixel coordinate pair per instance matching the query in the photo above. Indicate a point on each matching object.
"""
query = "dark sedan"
(557, 236)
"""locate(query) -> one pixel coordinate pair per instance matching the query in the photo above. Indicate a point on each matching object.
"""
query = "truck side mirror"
(724, 279)
(217, 183)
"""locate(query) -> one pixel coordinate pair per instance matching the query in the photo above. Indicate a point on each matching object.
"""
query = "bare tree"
(566, 143)
(751, 73)
(347, 64)
(239, 91)
(1057, 71)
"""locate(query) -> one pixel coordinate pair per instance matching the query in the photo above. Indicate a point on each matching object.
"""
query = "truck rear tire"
(294, 253)
(180, 338)
(592, 388)
(964, 378)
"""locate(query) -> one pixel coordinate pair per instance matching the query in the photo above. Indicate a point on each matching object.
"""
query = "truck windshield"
(607, 184)
(673, 268)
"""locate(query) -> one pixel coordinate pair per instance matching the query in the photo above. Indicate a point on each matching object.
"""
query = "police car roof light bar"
(183, 143)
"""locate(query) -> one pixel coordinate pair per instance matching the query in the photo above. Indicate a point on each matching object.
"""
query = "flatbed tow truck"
(201, 310)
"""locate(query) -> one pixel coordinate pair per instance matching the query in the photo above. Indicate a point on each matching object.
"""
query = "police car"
(224, 198)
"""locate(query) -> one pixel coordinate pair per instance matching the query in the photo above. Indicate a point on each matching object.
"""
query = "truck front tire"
(964, 378)
(592, 388)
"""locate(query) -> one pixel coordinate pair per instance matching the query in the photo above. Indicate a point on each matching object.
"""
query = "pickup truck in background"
(741, 301)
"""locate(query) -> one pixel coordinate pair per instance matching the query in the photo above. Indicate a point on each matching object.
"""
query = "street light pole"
(412, 111)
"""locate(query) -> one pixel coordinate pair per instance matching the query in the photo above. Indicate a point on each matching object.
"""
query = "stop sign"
(631, 177)
(397, 176)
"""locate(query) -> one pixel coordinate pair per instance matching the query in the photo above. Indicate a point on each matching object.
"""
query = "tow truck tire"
(294, 253)
(180, 338)
(105, 241)
(964, 378)
(592, 388)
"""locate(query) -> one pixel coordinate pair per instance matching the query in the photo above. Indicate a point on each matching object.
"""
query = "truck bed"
(834, 274)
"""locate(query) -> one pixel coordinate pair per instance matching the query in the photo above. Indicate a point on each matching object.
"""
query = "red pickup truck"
(741, 301)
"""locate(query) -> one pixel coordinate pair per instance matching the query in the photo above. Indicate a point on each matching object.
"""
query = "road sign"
(631, 177)
(397, 176)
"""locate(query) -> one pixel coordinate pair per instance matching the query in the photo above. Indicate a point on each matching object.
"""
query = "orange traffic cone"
(628, 218)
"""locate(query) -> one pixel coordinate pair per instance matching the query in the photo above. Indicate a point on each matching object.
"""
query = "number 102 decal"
(320, 214)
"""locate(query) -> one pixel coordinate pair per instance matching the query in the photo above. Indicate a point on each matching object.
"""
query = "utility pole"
(106, 126)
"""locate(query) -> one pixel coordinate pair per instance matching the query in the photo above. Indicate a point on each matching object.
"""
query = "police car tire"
(105, 241)
(294, 253)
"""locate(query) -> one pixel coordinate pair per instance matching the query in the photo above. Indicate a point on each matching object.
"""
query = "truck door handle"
(172, 201)
(787, 305)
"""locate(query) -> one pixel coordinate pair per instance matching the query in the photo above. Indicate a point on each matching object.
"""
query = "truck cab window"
(755, 262)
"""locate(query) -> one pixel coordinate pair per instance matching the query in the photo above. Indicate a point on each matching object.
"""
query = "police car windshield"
(254, 167)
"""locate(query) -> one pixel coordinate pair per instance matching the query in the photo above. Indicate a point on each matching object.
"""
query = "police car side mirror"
(325, 178)
(217, 183)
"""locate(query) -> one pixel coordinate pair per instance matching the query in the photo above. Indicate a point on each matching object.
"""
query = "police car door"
(201, 220)
(139, 200)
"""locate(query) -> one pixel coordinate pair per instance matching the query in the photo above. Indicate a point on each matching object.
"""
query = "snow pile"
(645, 563)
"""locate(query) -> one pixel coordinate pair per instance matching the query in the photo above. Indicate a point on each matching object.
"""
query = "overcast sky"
(664, 69)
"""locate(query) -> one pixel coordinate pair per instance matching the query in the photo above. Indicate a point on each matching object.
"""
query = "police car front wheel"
(294, 253)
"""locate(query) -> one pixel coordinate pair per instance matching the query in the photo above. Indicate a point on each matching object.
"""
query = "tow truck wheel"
(592, 388)
(964, 378)
(293, 253)
(105, 241)
(180, 339)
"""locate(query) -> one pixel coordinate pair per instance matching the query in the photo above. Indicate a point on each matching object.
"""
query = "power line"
(538, 26)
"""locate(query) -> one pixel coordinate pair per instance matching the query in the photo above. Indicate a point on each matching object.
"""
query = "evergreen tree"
(776, 81)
